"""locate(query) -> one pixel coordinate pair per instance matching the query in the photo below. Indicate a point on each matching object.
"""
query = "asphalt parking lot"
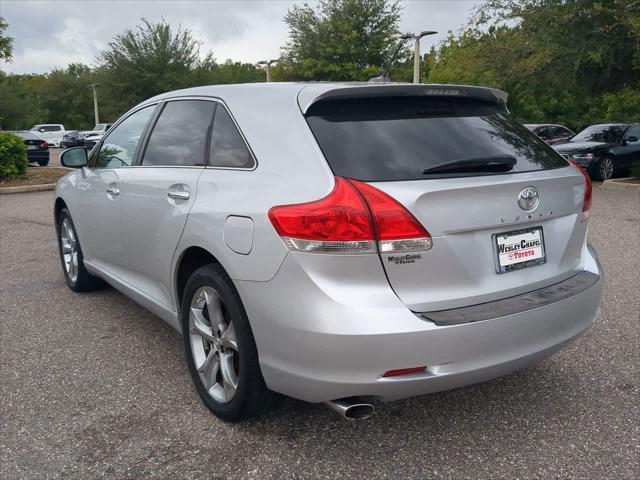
(92, 385)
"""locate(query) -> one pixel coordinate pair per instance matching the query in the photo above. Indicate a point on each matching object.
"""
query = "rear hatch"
(502, 208)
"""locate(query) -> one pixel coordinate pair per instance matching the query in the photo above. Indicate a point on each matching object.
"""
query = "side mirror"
(42, 130)
(74, 157)
(631, 139)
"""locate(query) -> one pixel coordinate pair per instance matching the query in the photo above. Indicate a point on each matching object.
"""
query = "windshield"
(404, 138)
(600, 133)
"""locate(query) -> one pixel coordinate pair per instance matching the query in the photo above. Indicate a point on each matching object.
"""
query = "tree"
(149, 60)
(6, 43)
(564, 61)
(339, 40)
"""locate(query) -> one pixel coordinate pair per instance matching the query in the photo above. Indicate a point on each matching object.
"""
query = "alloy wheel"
(69, 242)
(606, 168)
(214, 346)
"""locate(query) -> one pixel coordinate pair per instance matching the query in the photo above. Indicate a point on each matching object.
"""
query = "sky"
(51, 34)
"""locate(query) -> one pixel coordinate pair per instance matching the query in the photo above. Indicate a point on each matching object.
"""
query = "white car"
(50, 132)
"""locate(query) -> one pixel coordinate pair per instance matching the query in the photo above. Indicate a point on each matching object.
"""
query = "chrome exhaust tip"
(352, 408)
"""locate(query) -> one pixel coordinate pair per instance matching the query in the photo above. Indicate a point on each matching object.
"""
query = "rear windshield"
(400, 138)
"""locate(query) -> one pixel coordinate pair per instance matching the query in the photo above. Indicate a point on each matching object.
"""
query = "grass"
(36, 176)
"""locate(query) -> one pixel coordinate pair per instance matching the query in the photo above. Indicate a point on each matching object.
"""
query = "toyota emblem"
(528, 199)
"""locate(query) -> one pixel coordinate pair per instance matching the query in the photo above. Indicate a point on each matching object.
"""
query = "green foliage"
(575, 62)
(139, 64)
(61, 96)
(339, 40)
(13, 156)
(6, 43)
(151, 59)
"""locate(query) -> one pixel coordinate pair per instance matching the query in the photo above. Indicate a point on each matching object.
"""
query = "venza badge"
(528, 199)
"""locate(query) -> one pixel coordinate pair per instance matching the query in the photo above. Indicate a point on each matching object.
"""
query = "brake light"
(353, 218)
(588, 189)
(44, 145)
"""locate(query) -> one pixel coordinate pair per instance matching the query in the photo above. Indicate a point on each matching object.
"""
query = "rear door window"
(398, 138)
(180, 136)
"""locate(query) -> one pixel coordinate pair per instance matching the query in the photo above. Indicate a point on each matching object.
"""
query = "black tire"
(84, 281)
(43, 163)
(603, 169)
(252, 397)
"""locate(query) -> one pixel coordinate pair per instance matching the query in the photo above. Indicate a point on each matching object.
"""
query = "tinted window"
(119, 146)
(180, 135)
(227, 145)
(600, 133)
(398, 138)
(544, 132)
(633, 132)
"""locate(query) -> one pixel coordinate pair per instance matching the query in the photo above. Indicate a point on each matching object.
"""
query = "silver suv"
(337, 243)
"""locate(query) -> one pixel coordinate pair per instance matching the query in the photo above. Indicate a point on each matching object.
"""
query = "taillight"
(588, 189)
(396, 229)
(44, 145)
(353, 218)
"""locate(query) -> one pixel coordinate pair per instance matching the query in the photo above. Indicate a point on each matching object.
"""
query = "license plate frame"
(529, 233)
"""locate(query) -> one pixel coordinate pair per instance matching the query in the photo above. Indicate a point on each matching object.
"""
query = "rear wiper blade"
(495, 163)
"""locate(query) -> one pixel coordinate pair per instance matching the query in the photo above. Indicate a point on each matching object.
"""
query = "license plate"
(31, 147)
(519, 249)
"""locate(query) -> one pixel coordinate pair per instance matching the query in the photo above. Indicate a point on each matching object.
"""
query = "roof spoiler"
(315, 93)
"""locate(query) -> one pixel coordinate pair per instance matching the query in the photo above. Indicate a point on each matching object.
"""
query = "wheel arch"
(189, 260)
(59, 204)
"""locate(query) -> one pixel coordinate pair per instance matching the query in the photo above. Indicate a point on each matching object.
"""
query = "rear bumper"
(38, 156)
(316, 346)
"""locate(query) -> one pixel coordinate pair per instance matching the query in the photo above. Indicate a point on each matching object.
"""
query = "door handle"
(113, 191)
(179, 191)
(179, 195)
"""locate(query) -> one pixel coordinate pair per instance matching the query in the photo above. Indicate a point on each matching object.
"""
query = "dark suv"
(604, 150)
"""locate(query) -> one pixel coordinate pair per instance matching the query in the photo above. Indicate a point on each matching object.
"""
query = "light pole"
(416, 51)
(95, 102)
(268, 64)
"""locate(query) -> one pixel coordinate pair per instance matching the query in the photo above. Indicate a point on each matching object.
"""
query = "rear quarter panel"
(290, 169)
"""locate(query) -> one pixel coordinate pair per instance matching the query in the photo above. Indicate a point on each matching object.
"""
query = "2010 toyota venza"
(338, 243)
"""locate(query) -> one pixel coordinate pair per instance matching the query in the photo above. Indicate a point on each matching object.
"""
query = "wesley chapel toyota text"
(335, 243)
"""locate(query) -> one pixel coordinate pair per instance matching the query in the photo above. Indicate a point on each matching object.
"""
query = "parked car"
(72, 138)
(37, 149)
(604, 151)
(50, 132)
(98, 129)
(550, 133)
(368, 253)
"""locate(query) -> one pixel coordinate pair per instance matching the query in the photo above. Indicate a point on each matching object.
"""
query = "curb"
(28, 188)
(619, 182)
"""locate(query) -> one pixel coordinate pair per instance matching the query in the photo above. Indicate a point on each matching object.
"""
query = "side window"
(544, 133)
(52, 128)
(228, 148)
(633, 132)
(180, 135)
(119, 147)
